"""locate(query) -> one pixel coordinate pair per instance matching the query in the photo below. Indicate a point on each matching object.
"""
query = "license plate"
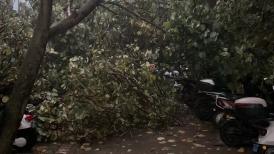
(255, 147)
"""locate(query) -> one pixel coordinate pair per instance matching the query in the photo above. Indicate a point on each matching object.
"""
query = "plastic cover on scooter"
(268, 139)
(251, 101)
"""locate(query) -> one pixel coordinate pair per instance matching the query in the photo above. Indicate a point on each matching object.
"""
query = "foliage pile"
(97, 80)
(104, 98)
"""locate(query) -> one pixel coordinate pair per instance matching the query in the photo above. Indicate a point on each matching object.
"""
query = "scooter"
(242, 124)
(189, 89)
(249, 121)
(205, 98)
(26, 135)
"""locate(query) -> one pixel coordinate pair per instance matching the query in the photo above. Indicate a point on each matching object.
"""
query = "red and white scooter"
(26, 135)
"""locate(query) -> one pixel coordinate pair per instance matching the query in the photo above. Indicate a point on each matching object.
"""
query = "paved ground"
(194, 137)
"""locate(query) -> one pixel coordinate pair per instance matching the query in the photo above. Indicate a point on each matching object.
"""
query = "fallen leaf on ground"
(165, 148)
(86, 144)
(86, 147)
(181, 131)
(160, 138)
(201, 135)
(189, 140)
(97, 149)
(199, 145)
(171, 141)
(241, 150)
(162, 142)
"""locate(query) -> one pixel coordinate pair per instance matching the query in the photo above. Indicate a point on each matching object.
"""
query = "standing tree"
(31, 65)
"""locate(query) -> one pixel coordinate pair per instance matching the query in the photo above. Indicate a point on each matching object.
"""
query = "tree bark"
(27, 75)
(74, 18)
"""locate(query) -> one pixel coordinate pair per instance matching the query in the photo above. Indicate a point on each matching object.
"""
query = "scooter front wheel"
(204, 108)
(231, 133)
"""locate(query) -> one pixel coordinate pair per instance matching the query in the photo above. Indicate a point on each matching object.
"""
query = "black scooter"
(204, 97)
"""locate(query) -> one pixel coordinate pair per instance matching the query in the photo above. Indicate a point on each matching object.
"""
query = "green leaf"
(167, 25)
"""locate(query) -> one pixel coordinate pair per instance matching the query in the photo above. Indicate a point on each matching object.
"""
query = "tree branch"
(74, 18)
(134, 14)
(108, 9)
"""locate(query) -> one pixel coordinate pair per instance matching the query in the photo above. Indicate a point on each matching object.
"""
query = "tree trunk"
(28, 71)
(27, 75)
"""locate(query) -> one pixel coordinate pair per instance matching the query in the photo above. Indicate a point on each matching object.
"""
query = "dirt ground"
(194, 137)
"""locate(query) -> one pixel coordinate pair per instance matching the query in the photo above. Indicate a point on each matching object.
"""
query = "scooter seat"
(251, 101)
